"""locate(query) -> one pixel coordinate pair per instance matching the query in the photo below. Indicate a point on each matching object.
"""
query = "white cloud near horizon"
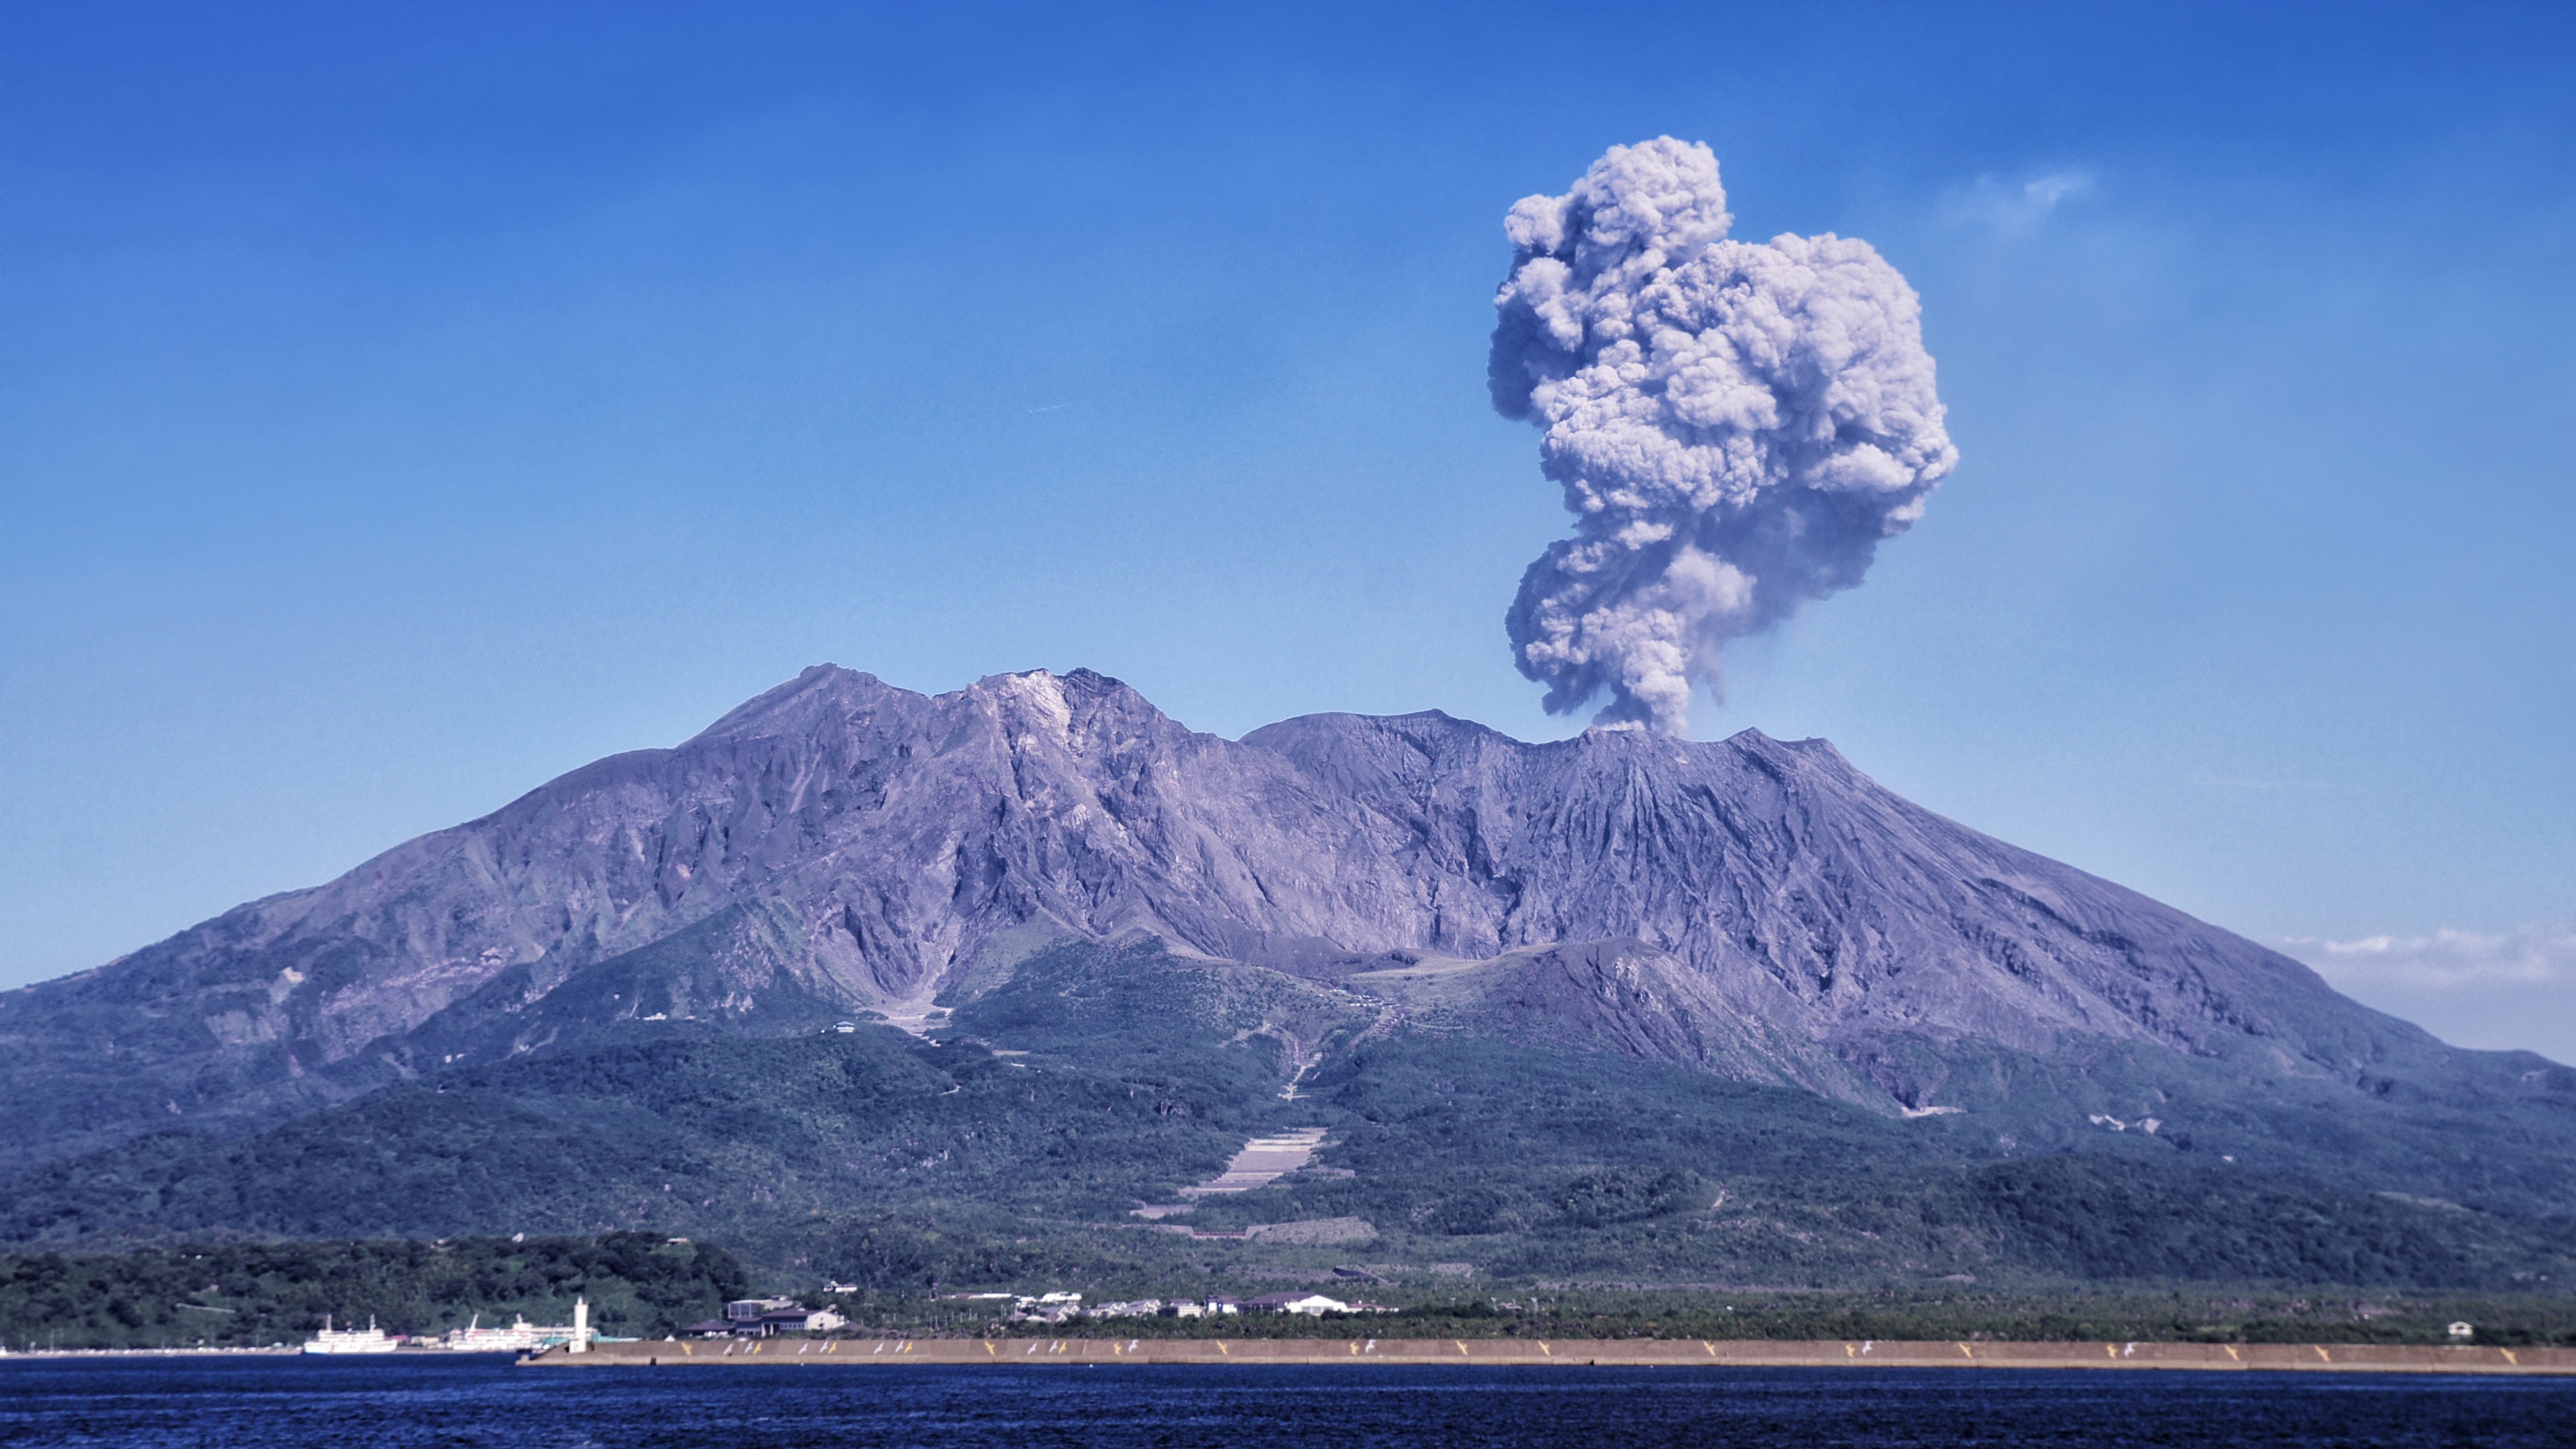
(2508, 990)
(2539, 952)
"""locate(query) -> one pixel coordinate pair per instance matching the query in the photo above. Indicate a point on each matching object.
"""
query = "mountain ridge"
(1755, 908)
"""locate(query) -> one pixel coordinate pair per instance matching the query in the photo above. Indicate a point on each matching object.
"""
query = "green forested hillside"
(1008, 1154)
(260, 1293)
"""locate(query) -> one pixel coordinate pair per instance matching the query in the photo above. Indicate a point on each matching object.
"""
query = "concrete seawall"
(1671, 1353)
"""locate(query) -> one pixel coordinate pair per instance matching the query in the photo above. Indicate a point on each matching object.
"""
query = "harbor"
(1573, 1353)
(520, 1337)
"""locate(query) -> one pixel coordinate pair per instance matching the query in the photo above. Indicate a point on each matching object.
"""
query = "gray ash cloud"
(1735, 426)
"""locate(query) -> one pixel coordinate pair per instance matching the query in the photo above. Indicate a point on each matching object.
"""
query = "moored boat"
(369, 1339)
(519, 1337)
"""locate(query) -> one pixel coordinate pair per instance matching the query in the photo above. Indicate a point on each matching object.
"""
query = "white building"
(802, 1320)
(1309, 1304)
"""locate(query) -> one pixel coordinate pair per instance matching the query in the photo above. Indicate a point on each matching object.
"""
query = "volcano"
(1751, 910)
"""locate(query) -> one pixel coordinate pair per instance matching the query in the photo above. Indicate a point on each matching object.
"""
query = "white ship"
(519, 1337)
(523, 1336)
(370, 1339)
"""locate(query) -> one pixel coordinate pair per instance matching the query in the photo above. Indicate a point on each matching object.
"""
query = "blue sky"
(402, 405)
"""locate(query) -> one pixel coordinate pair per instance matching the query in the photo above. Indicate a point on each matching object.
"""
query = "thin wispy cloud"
(2250, 782)
(2015, 207)
(2540, 952)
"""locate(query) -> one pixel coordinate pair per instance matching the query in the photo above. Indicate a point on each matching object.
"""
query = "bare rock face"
(838, 844)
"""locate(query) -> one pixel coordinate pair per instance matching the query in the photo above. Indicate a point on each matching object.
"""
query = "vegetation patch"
(250, 1294)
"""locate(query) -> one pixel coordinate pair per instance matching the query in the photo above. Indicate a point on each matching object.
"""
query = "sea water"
(472, 1400)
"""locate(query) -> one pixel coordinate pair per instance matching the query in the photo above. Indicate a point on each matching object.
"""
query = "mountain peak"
(874, 847)
(822, 692)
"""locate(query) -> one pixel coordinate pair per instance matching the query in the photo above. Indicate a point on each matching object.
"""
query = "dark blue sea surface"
(484, 1401)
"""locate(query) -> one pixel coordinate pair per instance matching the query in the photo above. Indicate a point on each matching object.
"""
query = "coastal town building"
(761, 1317)
(1311, 1305)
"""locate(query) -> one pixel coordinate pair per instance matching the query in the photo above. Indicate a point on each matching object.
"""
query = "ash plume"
(1735, 425)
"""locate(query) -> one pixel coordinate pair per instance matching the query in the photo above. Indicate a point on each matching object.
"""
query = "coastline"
(264, 1350)
(1622, 1353)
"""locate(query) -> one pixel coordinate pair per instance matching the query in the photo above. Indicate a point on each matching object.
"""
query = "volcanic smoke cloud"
(1735, 425)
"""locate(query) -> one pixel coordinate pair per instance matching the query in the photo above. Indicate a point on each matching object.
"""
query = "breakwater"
(1625, 1353)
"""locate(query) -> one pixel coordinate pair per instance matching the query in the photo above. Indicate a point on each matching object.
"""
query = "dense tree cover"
(1545, 1167)
(1007, 1155)
(261, 1293)
(708, 1133)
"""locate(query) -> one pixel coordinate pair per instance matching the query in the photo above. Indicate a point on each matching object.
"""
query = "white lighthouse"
(580, 1327)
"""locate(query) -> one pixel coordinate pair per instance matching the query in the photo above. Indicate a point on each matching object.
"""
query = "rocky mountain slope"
(1751, 908)
(1468, 1133)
